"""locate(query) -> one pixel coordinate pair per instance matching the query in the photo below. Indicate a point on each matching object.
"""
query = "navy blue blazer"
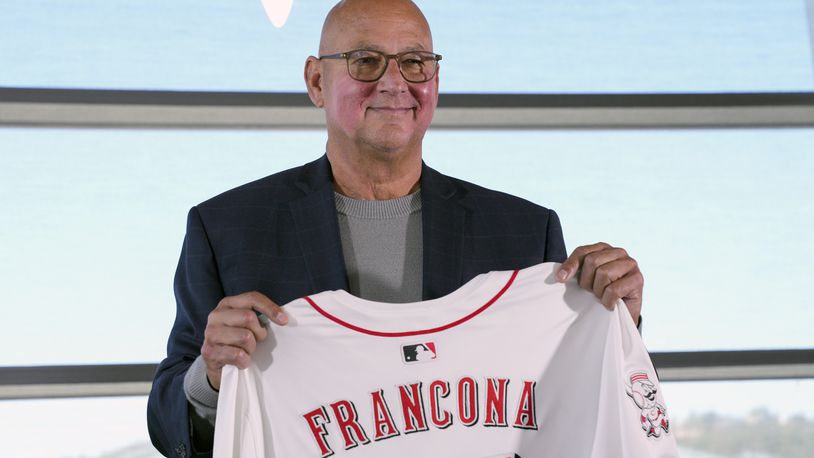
(279, 235)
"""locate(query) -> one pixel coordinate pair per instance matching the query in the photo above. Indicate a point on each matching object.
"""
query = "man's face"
(391, 113)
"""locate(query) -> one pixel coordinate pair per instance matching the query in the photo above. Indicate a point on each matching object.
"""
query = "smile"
(391, 110)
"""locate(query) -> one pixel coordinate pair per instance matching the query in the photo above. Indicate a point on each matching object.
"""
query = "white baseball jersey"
(512, 364)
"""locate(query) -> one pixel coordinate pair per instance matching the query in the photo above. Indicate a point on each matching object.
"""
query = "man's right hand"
(233, 330)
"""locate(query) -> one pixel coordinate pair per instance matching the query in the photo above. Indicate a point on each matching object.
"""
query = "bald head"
(350, 15)
(384, 120)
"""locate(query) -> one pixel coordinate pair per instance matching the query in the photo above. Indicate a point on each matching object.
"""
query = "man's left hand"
(609, 272)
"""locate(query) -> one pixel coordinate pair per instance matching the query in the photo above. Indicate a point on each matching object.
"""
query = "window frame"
(285, 110)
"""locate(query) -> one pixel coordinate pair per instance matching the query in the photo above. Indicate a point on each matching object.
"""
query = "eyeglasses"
(368, 65)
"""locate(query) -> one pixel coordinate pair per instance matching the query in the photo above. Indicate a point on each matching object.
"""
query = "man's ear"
(437, 83)
(313, 81)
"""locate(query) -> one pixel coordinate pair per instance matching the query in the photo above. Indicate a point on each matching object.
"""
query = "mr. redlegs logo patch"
(654, 415)
(419, 353)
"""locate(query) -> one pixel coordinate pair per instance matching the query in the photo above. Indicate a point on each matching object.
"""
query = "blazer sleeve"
(198, 290)
(554, 241)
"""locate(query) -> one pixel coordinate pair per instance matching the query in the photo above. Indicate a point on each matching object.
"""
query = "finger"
(217, 356)
(233, 337)
(592, 261)
(571, 265)
(615, 292)
(258, 302)
(611, 271)
(629, 289)
(238, 318)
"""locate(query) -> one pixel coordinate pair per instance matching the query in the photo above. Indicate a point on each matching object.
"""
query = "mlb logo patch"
(418, 353)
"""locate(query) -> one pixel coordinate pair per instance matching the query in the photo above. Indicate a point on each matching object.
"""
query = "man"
(368, 217)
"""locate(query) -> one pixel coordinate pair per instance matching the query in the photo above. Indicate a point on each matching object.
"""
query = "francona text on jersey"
(418, 415)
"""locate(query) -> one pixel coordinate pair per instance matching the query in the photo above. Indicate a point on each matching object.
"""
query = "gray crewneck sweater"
(382, 246)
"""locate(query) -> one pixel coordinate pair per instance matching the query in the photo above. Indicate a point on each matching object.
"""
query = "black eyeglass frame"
(387, 57)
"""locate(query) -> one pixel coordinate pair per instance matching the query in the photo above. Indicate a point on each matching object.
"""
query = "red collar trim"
(464, 319)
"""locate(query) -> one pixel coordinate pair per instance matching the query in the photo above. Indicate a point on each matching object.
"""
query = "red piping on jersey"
(419, 332)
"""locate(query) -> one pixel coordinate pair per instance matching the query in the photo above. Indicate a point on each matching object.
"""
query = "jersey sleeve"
(239, 422)
(633, 420)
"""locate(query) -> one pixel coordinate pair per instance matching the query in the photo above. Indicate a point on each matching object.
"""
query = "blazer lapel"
(317, 228)
(317, 231)
(442, 218)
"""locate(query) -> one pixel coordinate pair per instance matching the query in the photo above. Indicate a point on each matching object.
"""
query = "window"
(92, 220)
(92, 223)
(554, 46)
(87, 427)
(718, 220)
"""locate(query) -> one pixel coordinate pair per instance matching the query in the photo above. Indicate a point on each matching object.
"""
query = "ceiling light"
(277, 11)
